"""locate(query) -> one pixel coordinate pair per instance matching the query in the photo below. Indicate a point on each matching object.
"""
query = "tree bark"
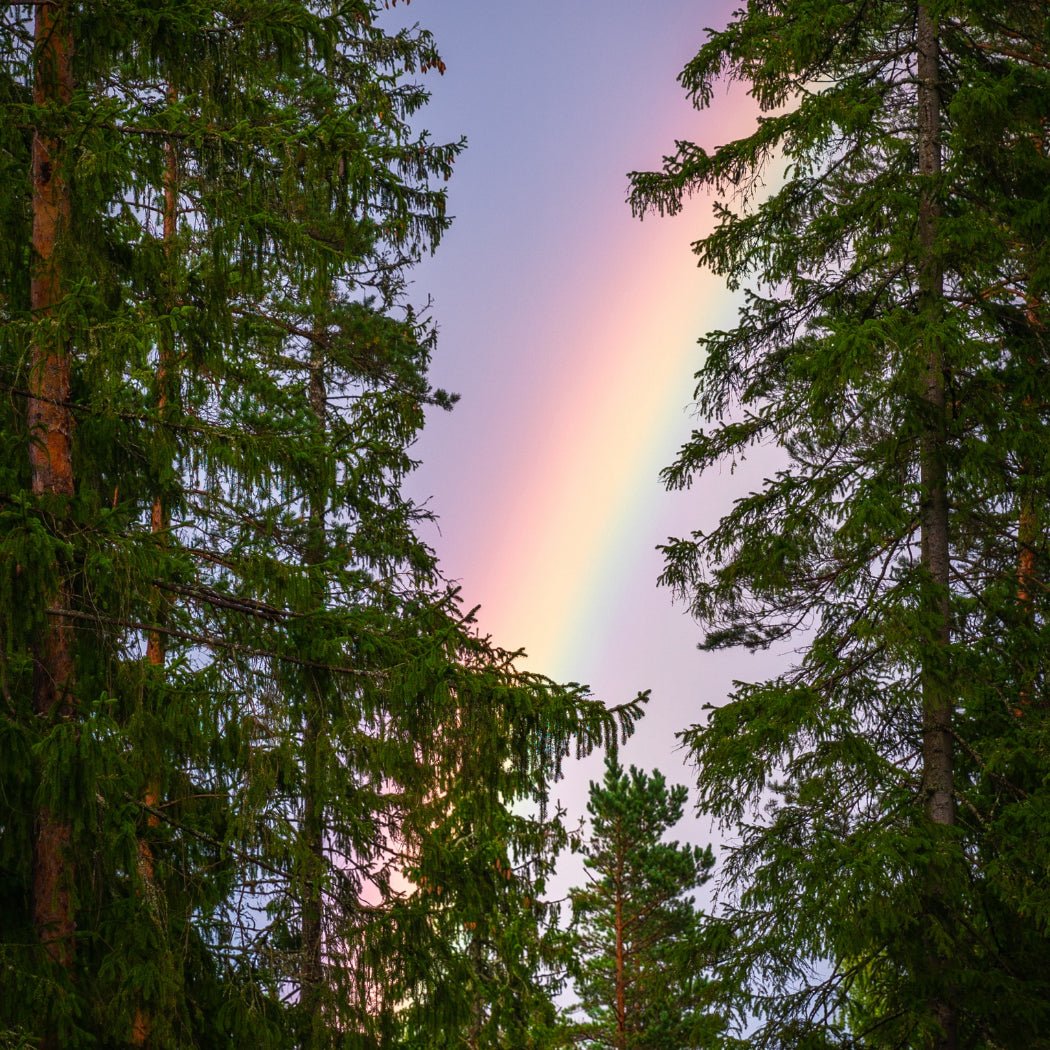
(1029, 532)
(937, 693)
(156, 648)
(621, 989)
(1029, 524)
(313, 807)
(1028, 535)
(50, 425)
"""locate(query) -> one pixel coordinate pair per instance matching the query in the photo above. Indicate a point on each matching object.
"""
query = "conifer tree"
(637, 942)
(235, 685)
(890, 346)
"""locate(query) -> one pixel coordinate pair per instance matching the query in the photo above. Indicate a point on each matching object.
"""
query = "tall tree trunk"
(1028, 535)
(937, 693)
(313, 806)
(621, 989)
(50, 424)
(1029, 524)
(142, 1023)
(476, 954)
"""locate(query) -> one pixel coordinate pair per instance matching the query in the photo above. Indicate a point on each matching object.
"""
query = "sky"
(570, 328)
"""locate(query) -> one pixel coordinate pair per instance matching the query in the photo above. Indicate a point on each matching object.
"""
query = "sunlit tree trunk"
(50, 424)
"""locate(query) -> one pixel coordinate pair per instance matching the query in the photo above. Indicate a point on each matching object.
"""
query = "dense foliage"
(638, 945)
(262, 783)
(889, 790)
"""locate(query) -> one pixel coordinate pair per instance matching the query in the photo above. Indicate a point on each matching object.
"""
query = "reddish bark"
(1028, 533)
(50, 425)
(142, 1023)
(621, 990)
(621, 1004)
(1028, 524)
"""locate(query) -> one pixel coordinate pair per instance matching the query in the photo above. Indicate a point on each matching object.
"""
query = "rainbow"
(620, 383)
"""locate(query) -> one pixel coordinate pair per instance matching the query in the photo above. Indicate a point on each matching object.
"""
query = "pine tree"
(637, 943)
(890, 346)
(235, 684)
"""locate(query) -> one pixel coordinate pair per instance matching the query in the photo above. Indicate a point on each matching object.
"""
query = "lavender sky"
(569, 328)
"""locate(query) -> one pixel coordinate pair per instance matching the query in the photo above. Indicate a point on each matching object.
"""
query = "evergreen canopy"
(249, 741)
(638, 944)
(888, 886)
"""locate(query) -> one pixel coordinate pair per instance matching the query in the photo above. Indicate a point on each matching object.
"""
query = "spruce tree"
(883, 889)
(240, 701)
(637, 944)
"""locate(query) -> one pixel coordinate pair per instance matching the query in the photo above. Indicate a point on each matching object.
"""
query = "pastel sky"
(569, 328)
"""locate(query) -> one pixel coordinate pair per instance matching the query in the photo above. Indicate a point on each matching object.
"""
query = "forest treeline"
(262, 782)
